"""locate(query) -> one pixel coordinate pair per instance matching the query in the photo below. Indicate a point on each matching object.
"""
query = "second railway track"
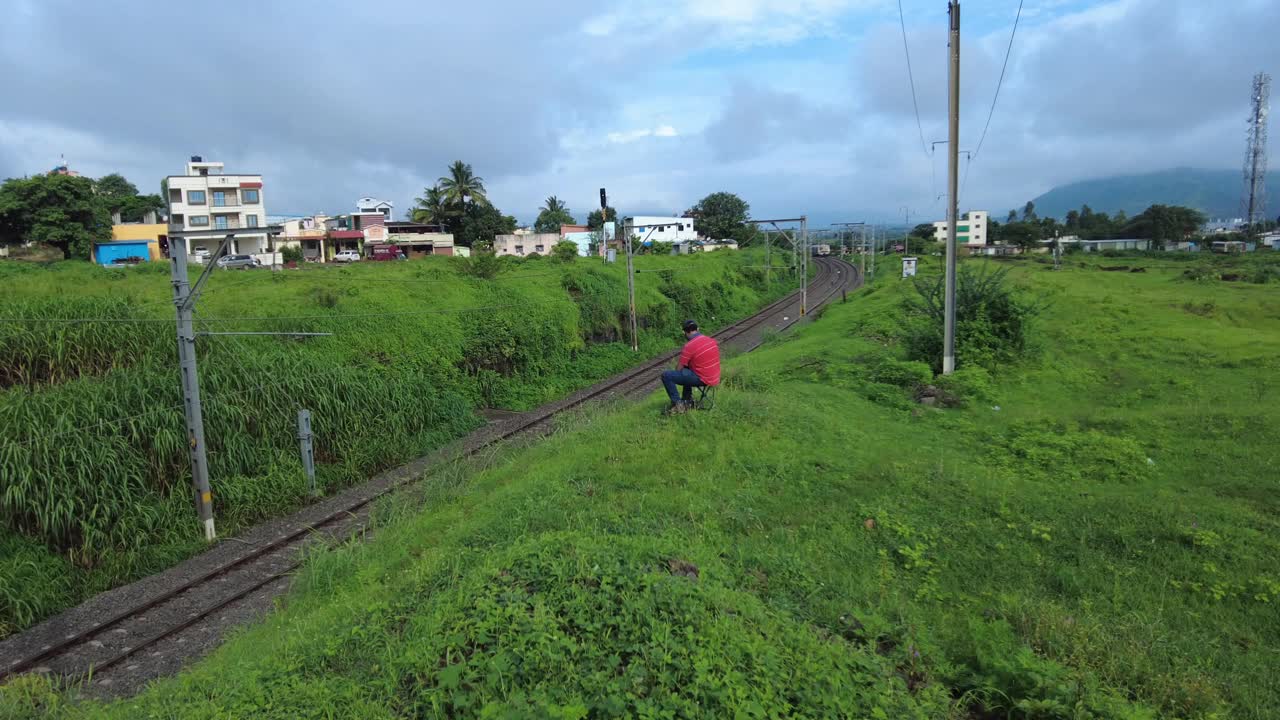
(91, 642)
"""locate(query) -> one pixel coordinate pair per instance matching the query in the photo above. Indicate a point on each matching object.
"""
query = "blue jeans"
(686, 377)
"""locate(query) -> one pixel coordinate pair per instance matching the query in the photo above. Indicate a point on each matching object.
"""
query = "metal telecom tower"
(1255, 156)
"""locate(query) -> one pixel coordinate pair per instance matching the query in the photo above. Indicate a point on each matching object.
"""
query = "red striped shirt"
(702, 355)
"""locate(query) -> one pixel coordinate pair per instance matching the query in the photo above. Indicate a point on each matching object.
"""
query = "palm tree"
(461, 185)
(553, 205)
(431, 207)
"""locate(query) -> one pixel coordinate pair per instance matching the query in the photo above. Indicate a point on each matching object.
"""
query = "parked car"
(201, 253)
(347, 256)
(244, 262)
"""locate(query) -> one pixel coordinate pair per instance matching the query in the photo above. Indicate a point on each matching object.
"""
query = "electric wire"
(911, 79)
(1000, 83)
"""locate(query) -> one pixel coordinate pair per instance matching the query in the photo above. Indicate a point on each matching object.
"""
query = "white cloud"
(630, 136)
(738, 23)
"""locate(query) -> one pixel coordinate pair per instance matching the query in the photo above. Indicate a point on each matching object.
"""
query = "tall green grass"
(93, 446)
(1092, 533)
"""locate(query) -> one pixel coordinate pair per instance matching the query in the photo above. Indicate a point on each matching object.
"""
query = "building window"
(220, 222)
(199, 220)
(251, 196)
(219, 198)
(539, 248)
(195, 197)
(251, 221)
(519, 249)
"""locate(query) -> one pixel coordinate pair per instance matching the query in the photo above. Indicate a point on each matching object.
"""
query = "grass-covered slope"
(1093, 535)
(93, 457)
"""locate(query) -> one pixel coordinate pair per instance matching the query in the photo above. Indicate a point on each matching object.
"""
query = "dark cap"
(690, 325)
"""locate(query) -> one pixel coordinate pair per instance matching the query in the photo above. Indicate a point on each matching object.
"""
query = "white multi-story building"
(650, 228)
(368, 205)
(970, 230)
(207, 199)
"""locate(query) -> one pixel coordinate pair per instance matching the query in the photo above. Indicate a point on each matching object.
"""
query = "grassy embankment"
(87, 506)
(1093, 534)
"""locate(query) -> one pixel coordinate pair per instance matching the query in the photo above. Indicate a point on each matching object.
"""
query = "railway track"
(94, 644)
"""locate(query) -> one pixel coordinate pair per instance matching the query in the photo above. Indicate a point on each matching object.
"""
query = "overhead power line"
(1000, 83)
(911, 79)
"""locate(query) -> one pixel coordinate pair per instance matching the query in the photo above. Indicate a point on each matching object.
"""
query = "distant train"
(821, 250)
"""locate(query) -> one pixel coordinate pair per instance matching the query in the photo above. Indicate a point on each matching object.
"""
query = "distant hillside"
(1213, 192)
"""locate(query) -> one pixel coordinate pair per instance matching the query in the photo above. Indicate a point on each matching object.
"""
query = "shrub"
(992, 322)
(291, 253)
(565, 251)
(968, 384)
(485, 266)
(902, 373)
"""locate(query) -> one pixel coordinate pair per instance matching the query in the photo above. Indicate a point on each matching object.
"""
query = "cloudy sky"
(800, 106)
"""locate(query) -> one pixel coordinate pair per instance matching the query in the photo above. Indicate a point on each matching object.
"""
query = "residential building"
(653, 228)
(970, 230)
(148, 240)
(420, 239)
(309, 234)
(583, 237)
(1100, 245)
(206, 198)
(368, 205)
(525, 245)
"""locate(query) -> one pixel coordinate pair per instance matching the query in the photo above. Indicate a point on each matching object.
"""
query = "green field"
(94, 481)
(1093, 533)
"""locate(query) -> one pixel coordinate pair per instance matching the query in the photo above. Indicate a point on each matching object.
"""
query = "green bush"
(967, 385)
(483, 265)
(992, 322)
(291, 253)
(565, 251)
(905, 374)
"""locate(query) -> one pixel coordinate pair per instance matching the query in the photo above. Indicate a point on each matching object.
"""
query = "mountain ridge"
(1216, 193)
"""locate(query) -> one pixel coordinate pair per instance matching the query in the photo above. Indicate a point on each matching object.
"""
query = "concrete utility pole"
(631, 293)
(804, 264)
(862, 245)
(953, 168)
(306, 447)
(631, 276)
(906, 231)
(184, 302)
(847, 227)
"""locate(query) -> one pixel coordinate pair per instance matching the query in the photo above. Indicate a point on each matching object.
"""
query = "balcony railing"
(225, 202)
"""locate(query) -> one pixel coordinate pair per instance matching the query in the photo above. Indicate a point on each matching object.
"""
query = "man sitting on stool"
(699, 366)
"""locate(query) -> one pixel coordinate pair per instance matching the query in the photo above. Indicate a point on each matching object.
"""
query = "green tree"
(552, 215)
(1013, 216)
(720, 215)
(57, 210)
(476, 227)
(1163, 224)
(565, 251)
(136, 208)
(1024, 235)
(114, 190)
(431, 207)
(596, 220)
(923, 230)
(1029, 211)
(462, 187)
